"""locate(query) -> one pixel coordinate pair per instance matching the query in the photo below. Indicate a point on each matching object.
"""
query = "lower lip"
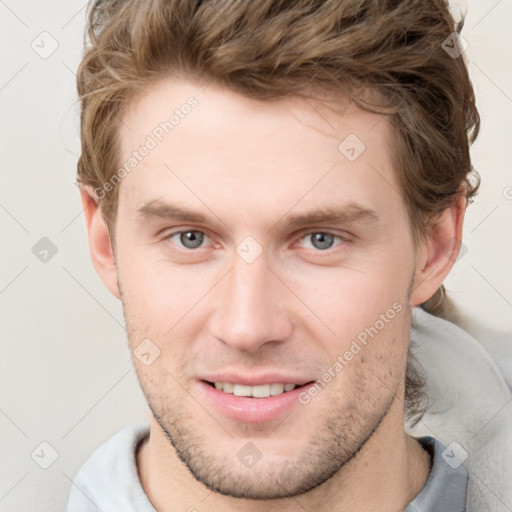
(252, 410)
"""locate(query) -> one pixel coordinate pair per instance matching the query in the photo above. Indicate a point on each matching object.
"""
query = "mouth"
(253, 403)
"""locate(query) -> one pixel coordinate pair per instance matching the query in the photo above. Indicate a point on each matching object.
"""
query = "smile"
(252, 403)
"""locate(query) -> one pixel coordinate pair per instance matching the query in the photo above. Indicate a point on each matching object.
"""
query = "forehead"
(210, 143)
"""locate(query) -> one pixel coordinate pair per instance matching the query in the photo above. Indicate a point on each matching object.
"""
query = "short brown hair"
(271, 49)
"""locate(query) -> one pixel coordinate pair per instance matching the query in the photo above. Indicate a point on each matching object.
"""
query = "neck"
(386, 474)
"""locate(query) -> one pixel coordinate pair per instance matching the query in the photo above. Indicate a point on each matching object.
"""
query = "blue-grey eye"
(321, 241)
(190, 239)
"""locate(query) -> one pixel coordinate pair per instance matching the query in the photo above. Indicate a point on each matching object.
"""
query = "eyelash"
(342, 239)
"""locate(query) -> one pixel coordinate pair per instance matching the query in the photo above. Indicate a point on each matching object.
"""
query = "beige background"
(66, 374)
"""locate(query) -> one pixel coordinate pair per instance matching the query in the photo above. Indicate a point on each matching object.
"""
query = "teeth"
(240, 390)
(276, 389)
(262, 391)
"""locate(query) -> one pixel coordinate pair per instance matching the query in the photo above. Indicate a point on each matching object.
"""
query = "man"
(271, 188)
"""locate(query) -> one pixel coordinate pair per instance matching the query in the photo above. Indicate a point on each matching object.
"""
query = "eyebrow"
(158, 208)
(343, 214)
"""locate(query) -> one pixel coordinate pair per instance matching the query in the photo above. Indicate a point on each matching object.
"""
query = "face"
(255, 255)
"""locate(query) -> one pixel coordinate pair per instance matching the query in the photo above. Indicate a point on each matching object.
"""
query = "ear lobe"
(440, 252)
(100, 245)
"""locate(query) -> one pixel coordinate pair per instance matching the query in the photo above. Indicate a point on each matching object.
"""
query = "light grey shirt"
(109, 482)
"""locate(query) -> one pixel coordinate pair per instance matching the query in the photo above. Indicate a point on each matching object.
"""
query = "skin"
(246, 165)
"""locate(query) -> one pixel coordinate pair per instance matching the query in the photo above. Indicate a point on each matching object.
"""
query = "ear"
(100, 246)
(439, 252)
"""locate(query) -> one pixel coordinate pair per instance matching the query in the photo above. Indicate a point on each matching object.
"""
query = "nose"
(252, 307)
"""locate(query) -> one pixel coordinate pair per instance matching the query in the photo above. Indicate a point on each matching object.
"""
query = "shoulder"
(471, 407)
(108, 480)
(446, 486)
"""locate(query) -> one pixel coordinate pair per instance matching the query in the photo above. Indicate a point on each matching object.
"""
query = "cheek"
(157, 294)
(163, 303)
(348, 299)
(364, 317)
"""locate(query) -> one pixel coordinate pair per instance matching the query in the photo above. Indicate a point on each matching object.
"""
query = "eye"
(190, 239)
(321, 240)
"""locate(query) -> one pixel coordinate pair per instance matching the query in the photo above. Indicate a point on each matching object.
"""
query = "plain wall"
(66, 374)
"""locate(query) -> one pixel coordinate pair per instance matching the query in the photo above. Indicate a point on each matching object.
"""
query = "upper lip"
(256, 380)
